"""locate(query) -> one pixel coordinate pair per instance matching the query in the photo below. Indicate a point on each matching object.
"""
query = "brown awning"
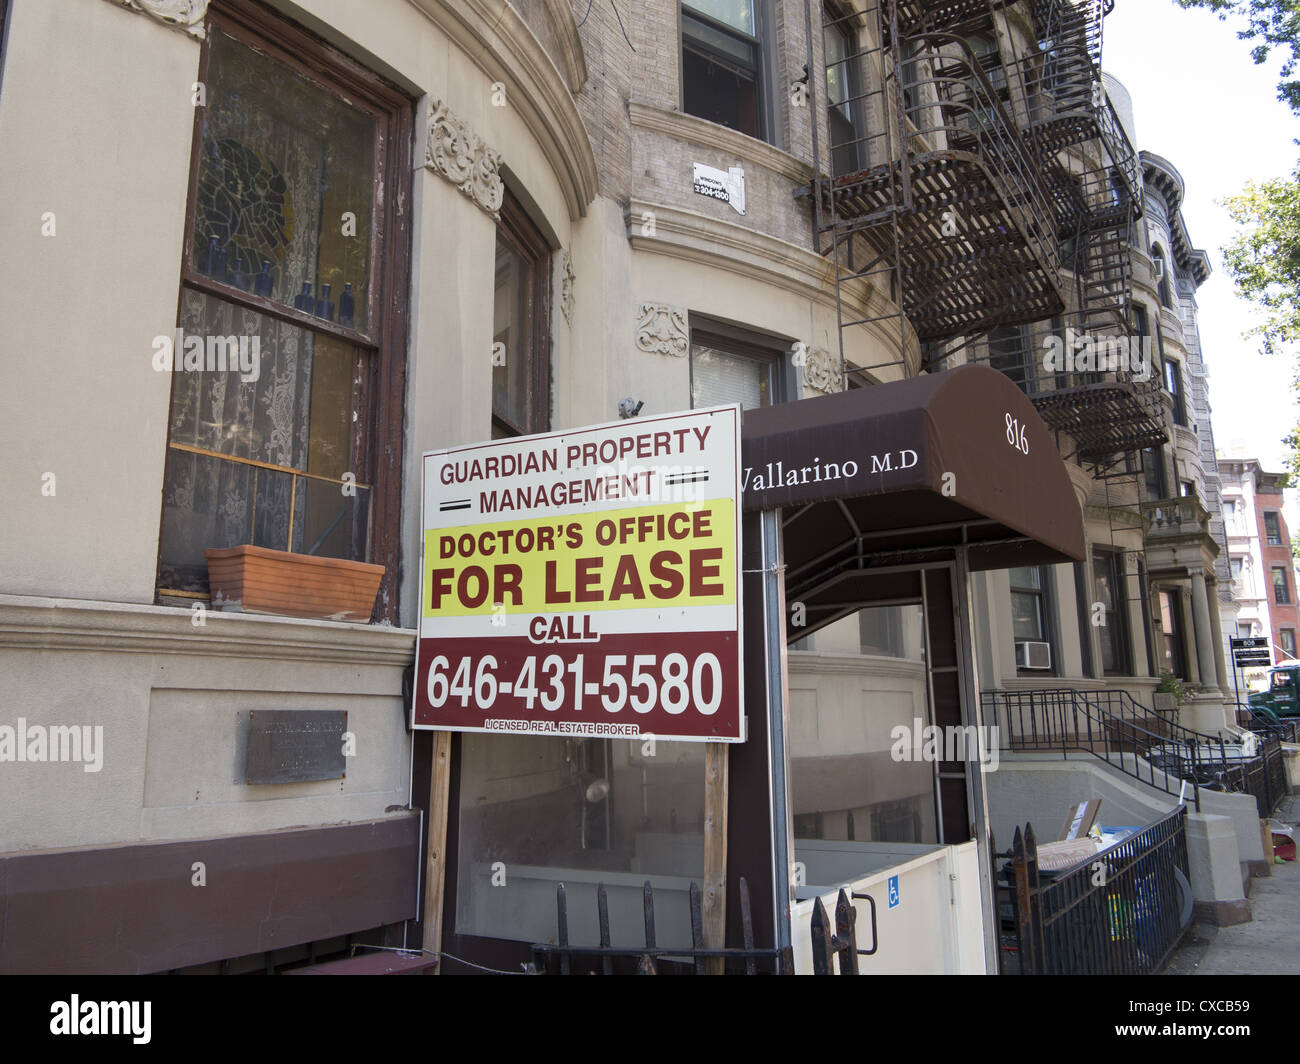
(931, 462)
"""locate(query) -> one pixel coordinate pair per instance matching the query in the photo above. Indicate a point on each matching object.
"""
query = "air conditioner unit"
(1033, 655)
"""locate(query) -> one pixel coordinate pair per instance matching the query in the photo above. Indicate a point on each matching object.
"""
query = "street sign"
(585, 583)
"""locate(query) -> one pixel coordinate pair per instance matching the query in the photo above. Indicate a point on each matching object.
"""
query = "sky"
(1202, 103)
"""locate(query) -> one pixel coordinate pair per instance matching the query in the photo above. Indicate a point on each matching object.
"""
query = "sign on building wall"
(585, 583)
(725, 185)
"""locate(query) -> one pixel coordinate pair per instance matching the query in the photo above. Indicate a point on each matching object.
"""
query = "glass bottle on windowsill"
(347, 306)
(325, 305)
(239, 279)
(264, 283)
(303, 300)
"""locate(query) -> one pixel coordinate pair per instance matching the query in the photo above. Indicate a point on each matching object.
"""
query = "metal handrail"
(1037, 720)
(1176, 751)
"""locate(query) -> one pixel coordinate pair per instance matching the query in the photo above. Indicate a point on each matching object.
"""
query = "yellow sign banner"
(675, 555)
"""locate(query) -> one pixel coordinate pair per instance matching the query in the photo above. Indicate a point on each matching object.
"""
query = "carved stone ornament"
(662, 330)
(822, 371)
(456, 152)
(184, 15)
(566, 285)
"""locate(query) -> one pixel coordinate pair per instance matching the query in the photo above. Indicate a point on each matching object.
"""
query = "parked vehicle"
(1282, 699)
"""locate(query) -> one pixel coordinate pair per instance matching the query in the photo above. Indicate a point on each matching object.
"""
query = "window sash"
(730, 50)
(1273, 530)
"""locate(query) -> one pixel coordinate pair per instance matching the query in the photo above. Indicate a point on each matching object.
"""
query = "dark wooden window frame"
(526, 238)
(836, 19)
(384, 340)
(1176, 386)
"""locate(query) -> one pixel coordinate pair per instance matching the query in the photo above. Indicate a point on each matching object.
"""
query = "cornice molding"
(184, 15)
(566, 31)
(32, 623)
(493, 35)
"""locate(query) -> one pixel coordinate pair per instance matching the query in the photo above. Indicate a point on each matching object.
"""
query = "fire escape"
(985, 194)
(988, 192)
(1108, 412)
(935, 199)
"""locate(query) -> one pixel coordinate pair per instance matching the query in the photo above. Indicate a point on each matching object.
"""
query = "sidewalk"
(1265, 946)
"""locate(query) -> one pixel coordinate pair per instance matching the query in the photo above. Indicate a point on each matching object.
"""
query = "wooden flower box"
(252, 579)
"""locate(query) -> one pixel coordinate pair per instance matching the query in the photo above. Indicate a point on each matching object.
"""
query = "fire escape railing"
(954, 201)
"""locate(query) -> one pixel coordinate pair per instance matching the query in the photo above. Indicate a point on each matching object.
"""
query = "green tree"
(1263, 259)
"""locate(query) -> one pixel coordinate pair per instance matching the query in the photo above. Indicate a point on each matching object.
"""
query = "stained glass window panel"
(284, 206)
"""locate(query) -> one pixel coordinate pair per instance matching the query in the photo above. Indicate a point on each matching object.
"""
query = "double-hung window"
(1008, 353)
(1281, 586)
(1153, 473)
(1109, 588)
(844, 97)
(1272, 529)
(722, 64)
(1031, 608)
(287, 382)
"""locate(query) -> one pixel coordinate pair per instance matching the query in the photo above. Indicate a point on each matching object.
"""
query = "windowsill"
(39, 623)
(718, 138)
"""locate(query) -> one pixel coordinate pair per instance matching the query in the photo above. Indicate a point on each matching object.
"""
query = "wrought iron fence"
(1121, 912)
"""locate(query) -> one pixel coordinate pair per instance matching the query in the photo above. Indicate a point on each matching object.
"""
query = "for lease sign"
(585, 583)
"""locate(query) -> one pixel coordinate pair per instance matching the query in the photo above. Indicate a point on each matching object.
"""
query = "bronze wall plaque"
(295, 745)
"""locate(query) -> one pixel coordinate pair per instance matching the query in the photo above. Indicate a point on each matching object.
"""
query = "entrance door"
(1173, 658)
(879, 756)
(877, 746)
